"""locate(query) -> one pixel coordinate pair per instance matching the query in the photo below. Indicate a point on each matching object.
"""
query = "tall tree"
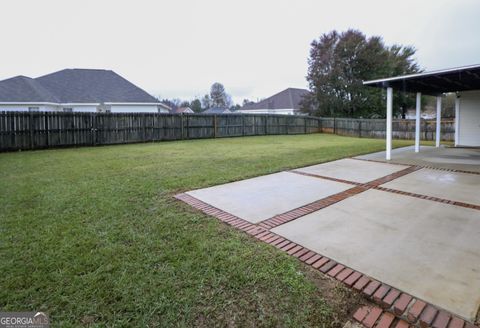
(247, 102)
(184, 103)
(340, 62)
(206, 102)
(219, 97)
(235, 107)
(196, 105)
(172, 103)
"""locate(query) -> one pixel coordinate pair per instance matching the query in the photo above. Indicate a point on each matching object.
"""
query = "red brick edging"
(396, 309)
(310, 208)
(332, 199)
(296, 213)
(326, 178)
(435, 199)
(221, 215)
(420, 166)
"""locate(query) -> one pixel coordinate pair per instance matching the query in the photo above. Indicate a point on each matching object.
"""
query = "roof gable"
(93, 86)
(181, 110)
(287, 99)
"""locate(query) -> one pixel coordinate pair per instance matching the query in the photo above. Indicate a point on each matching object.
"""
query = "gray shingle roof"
(287, 99)
(93, 86)
(74, 86)
(24, 89)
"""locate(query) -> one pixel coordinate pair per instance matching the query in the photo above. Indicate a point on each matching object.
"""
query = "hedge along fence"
(37, 130)
(375, 128)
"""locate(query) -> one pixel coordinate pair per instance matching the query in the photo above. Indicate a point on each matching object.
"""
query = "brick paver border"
(394, 306)
(435, 199)
(326, 178)
(296, 213)
(376, 184)
(420, 166)
(395, 309)
(310, 208)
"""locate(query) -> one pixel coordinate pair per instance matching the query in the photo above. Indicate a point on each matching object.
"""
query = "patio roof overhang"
(433, 83)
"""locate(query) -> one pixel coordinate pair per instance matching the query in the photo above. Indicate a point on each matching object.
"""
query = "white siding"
(469, 120)
(81, 108)
(88, 108)
(286, 111)
(134, 108)
(24, 108)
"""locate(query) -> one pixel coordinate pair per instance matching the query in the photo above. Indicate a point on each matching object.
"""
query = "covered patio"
(446, 158)
(464, 81)
(399, 233)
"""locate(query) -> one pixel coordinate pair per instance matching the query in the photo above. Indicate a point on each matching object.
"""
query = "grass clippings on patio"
(92, 236)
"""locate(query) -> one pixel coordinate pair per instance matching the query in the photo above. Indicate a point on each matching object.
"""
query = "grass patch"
(92, 236)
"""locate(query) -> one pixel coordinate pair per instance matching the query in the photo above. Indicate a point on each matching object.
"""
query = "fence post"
(94, 128)
(47, 129)
(359, 128)
(334, 126)
(305, 125)
(31, 130)
(181, 126)
(13, 130)
(425, 128)
(243, 124)
(266, 124)
(215, 126)
(144, 123)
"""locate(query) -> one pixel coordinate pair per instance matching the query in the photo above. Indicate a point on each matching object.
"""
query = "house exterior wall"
(81, 108)
(469, 119)
(25, 107)
(134, 108)
(286, 111)
(85, 108)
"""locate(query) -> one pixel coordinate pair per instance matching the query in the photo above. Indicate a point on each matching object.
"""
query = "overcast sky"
(178, 48)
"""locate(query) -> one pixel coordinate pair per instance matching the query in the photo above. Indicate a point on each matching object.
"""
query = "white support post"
(389, 124)
(439, 120)
(457, 120)
(417, 122)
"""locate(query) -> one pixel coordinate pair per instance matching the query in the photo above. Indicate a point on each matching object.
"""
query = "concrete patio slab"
(428, 249)
(352, 170)
(466, 159)
(263, 197)
(461, 187)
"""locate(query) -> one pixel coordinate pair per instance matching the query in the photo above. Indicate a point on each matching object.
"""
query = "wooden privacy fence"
(36, 130)
(375, 128)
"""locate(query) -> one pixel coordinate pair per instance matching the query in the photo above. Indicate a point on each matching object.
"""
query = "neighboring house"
(284, 102)
(77, 90)
(179, 110)
(429, 113)
(217, 110)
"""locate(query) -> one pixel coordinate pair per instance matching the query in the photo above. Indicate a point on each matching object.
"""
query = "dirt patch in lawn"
(343, 301)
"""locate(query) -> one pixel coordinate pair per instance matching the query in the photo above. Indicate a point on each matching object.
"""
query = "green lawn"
(92, 236)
